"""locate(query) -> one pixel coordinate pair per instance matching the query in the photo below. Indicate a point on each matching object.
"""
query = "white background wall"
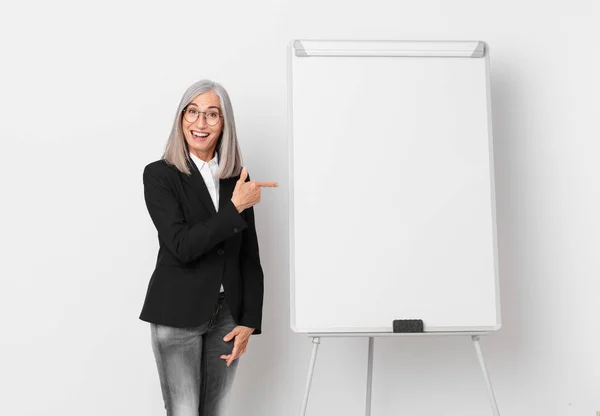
(88, 92)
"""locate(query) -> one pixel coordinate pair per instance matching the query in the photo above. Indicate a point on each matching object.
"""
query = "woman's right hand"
(247, 194)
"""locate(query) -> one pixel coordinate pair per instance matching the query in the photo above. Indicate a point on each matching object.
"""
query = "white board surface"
(391, 186)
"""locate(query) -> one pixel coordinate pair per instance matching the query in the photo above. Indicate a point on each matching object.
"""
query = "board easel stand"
(316, 339)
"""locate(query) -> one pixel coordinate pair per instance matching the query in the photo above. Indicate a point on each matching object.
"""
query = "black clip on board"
(408, 325)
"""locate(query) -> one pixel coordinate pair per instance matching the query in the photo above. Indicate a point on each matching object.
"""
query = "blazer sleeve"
(252, 276)
(186, 242)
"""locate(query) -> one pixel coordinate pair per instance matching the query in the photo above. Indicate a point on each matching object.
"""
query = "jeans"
(194, 380)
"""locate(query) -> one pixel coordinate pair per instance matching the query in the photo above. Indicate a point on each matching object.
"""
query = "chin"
(204, 147)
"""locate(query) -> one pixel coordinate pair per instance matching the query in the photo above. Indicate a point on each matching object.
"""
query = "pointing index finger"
(267, 184)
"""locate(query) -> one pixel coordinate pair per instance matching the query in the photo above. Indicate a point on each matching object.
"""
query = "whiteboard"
(392, 212)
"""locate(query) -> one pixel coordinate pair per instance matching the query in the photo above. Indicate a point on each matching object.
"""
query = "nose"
(201, 122)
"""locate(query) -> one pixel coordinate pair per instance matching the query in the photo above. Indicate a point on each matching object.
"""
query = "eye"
(192, 111)
(212, 116)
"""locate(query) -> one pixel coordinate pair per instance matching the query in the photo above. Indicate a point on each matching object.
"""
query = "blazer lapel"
(196, 181)
(226, 187)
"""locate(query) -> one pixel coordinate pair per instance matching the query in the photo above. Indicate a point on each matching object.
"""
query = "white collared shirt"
(208, 170)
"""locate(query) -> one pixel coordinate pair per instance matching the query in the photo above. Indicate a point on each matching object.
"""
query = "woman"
(205, 297)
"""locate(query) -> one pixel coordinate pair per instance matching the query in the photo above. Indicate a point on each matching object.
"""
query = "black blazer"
(199, 249)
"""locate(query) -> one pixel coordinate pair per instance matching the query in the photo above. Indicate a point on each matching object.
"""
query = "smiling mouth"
(197, 135)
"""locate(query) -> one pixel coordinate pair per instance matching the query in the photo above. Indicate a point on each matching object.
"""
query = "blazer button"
(235, 230)
(220, 252)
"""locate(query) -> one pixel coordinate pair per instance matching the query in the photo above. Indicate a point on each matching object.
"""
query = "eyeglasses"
(191, 114)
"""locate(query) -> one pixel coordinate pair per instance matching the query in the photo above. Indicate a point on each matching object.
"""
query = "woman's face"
(200, 136)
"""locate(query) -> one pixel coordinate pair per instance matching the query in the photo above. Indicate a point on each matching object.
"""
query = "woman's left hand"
(241, 335)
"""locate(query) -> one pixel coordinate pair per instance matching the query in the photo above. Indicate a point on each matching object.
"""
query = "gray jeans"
(194, 380)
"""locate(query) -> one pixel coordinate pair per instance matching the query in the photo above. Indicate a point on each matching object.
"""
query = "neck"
(205, 156)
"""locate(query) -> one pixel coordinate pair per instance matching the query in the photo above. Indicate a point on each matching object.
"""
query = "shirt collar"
(214, 162)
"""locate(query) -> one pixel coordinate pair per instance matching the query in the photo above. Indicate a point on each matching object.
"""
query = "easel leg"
(311, 368)
(488, 383)
(370, 376)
